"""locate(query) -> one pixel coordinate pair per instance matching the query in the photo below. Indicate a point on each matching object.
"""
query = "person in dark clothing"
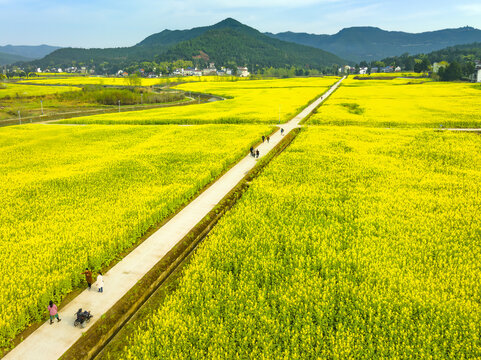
(88, 277)
(252, 151)
(257, 153)
(268, 138)
(263, 138)
(282, 131)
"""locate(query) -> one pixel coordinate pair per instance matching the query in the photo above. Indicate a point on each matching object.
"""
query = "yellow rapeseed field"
(117, 81)
(14, 90)
(402, 102)
(354, 243)
(392, 74)
(76, 196)
(256, 101)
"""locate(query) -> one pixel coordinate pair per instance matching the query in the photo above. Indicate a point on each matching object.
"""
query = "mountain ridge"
(25, 52)
(258, 49)
(359, 43)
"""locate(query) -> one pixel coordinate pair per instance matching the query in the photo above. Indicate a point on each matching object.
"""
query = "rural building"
(439, 65)
(243, 72)
(189, 71)
(476, 77)
(363, 70)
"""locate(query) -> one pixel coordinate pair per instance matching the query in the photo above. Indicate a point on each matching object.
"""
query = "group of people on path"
(52, 308)
(255, 153)
(100, 280)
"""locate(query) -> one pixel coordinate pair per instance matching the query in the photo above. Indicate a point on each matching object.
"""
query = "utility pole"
(41, 106)
(119, 105)
(19, 117)
(141, 98)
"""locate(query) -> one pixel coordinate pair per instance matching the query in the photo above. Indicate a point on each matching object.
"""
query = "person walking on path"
(268, 138)
(257, 153)
(53, 312)
(100, 282)
(88, 277)
(252, 151)
(263, 138)
(282, 131)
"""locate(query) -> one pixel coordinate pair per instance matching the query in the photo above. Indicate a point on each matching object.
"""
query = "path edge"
(94, 340)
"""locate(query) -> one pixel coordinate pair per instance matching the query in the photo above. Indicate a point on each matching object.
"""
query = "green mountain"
(246, 46)
(224, 43)
(7, 59)
(465, 55)
(173, 37)
(28, 52)
(371, 43)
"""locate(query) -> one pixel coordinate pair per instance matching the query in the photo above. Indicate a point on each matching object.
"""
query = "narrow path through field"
(49, 342)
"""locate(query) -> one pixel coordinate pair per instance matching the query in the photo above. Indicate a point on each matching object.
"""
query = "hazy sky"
(112, 23)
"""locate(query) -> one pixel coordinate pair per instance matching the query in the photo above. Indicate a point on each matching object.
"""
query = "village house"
(243, 71)
(363, 70)
(387, 69)
(439, 65)
(178, 72)
(189, 71)
(476, 77)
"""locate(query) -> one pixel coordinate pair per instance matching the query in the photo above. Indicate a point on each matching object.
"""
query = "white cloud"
(470, 9)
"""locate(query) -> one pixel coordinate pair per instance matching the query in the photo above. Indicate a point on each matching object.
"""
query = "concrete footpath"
(49, 342)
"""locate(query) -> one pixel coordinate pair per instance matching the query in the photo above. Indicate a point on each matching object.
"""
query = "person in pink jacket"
(52, 310)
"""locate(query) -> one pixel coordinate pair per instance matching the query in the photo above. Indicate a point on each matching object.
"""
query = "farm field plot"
(76, 196)
(354, 243)
(402, 103)
(12, 90)
(255, 101)
(114, 81)
(391, 75)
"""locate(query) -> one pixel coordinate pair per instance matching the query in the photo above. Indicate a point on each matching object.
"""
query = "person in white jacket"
(100, 282)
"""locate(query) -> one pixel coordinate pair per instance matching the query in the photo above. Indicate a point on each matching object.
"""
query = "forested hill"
(226, 43)
(6, 59)
(465, 55)
(371, 43)
(10, 54)
(251, 48)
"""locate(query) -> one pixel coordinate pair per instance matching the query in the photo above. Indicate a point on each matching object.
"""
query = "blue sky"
(111, 23)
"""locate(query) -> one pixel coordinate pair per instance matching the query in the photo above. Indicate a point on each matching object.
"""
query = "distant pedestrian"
(100, 282)
(252, 151)
(88, 277)
(282, 131)
(257, 153)
(268, 138)
(52, 311)
(263, 138)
